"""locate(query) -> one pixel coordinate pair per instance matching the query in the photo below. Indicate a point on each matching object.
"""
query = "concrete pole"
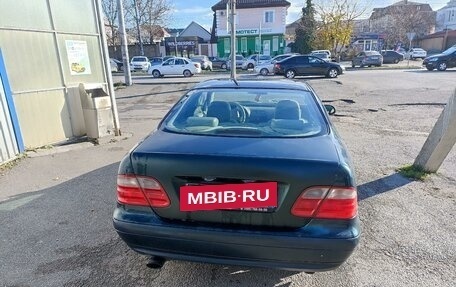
(233, 39)
(441, 139)
(107, 65)
(124, 44)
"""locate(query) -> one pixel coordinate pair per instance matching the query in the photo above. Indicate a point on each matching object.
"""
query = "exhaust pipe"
(156, 262)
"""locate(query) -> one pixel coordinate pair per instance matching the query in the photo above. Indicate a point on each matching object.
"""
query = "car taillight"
(196, 65)
(140, 190)
(277, 66)
(327, 203)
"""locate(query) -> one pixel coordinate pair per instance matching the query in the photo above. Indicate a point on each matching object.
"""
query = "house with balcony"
(260, 27)
(446, 17)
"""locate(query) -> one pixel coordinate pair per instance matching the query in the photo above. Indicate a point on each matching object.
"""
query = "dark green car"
(243, 173)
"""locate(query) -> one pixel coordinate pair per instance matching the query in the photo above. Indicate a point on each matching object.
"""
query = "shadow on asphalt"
(70, 226)
(424, 71)
(381, 185)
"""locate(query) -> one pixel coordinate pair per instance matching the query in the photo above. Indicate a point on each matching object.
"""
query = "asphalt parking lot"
(57, 231)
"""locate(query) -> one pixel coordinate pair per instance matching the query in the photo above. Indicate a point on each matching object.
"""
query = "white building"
(446, 17)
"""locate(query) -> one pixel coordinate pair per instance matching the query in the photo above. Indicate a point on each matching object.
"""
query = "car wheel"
(332, 73)
(290, 74)
(264, 72)
(223, 66)
(187, 73)
(396, 61)
(429, 68)
(156, 73)
(250, 66)
(442, 66)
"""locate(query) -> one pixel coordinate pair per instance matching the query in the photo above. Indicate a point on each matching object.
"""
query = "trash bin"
(96, 108)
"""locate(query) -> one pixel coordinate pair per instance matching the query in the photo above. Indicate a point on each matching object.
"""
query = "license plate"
(248, 196)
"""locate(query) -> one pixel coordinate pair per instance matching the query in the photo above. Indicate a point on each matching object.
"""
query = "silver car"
(268, 67)
(368, 58)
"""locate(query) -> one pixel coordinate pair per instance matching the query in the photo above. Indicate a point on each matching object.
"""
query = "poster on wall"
(78, 57)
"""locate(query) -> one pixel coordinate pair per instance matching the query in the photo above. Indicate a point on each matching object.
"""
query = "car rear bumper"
(313, 248)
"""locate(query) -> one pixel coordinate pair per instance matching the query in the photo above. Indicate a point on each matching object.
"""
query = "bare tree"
(150, 14)
(336, 22)
(110, 12)
(396, 21)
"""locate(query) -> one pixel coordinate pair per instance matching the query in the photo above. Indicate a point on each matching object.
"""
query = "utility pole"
(124, 44)
(141, 48)
(233, 38)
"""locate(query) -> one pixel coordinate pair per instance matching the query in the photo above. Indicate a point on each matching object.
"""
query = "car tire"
(396, 61)
(156, 74)
(250, 66)
(264, 72)
(187, 73)
(223, 66)
(290, 74)
(429, 68)
(332, 73)
(442, 66)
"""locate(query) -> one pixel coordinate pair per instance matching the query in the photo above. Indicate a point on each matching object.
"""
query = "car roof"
(250, 84)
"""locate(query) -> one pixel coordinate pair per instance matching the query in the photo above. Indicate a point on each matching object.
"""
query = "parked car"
(239, 61)
(206, 64)
(254, 60)
(416, 53)
(156, 61)
(367, 58)
(118, 63)
(268, 67)
(390, 56)
(322, 51)
(307, 66)
(443, 61)
(139, 63)
(218, 63)
(249, 173)
(113, 65)
(175, 66)
(402, 51)
(322, 55)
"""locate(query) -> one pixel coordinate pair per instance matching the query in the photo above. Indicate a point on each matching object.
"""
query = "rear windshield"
(139, 59)
(247, 113)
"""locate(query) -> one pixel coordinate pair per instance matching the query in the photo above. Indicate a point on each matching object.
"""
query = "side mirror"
(330, 109)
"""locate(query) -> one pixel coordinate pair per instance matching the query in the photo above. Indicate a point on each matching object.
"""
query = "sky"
(186, 11)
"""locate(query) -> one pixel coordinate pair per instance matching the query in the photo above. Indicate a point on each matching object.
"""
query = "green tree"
(336, 21)
(305, 32)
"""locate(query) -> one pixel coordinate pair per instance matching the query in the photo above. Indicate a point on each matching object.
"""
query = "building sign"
(78, 57)
(251, 32)
(181, 43)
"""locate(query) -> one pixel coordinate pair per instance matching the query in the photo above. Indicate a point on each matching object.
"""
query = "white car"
(416, 53)
(254, 60)
(322, 55)
(139, 63)
(175, 66)
(268, 67)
